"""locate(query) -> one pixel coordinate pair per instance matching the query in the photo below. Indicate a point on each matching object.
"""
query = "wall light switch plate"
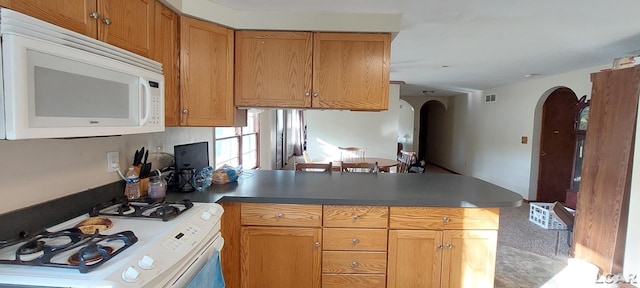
(113, 161)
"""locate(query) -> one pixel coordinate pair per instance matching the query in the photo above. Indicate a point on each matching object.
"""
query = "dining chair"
(307, 158)
(352, 154)
(407, 158)
(313, 166)
(362, 167)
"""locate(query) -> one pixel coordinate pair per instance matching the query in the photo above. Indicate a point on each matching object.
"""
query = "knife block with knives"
(143, 169)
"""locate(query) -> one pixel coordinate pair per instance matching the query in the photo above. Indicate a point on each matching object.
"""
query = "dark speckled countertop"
(390, 189)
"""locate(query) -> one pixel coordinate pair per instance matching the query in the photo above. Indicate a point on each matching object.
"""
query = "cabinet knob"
(307, 94)
(356, 217)
(94, 15)
(317, 244)
(279, 215)
(448, 245)
(315, 94)
(439, 246)
(354, 264)
(106, 21)
(355, 241)
(445, 219)
(185, 111)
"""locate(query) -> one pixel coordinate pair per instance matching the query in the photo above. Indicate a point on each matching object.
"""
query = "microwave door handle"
(147, 102)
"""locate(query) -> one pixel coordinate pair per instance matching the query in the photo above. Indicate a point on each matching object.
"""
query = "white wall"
(490, 142)
(632, 249)
(36, 171)
(287, 20)
(377, 131)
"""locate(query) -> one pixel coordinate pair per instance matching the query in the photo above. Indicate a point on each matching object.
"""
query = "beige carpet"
(528, 255)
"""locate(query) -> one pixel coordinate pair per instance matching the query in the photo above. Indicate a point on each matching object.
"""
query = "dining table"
(384, 164)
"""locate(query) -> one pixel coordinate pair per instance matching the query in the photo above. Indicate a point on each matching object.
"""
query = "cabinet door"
(69, 14)
(166, 52)
(469, 258)
(351, 71)
(414, 258)
(127, 24)
(206, 74)
(273, 69)
(280, 257)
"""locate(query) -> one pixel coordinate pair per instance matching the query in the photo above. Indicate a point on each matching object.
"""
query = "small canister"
(157, 187)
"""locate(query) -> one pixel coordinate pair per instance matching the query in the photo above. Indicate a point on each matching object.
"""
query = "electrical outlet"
(113, 161)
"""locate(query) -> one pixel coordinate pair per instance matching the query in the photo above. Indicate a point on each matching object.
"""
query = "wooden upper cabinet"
(206, 75)
(273, 69)
(166, 52)
(127, 24)
(351, 71)
(4, 3)
(70, 14)
(347, 71)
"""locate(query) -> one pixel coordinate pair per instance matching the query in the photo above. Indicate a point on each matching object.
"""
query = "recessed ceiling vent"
(490, 98)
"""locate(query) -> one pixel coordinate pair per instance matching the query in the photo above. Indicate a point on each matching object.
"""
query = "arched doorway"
(431, 119)
(557, 144)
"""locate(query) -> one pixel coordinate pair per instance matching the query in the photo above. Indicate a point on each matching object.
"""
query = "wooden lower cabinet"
(335, 246)
(442, 247)
(414, 258)
(449, 258)
(469, 258)
(280, 257)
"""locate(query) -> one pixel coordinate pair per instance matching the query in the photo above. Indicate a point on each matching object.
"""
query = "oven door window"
(69, 93)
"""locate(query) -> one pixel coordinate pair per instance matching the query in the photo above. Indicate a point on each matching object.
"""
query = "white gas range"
(166, 247)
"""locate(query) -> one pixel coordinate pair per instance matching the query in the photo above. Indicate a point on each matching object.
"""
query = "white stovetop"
(156, 239)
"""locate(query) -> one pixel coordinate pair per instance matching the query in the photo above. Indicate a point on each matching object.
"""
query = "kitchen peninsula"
(309, 229)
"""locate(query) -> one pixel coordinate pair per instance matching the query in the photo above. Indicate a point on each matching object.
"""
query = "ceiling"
(455, 46)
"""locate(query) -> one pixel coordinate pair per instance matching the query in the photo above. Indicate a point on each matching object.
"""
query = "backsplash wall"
(39, 170)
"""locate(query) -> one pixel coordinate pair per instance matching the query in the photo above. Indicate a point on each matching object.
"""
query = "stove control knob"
(130, 275)
(213, 210)
(206, 216)
(146, 262)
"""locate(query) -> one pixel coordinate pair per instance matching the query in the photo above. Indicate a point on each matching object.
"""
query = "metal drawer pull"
(317, 244)
(106, 21)
(354, 264)
(279, 216)
(94, 15)
(307, 94)
(355, 241)
(448, 245)
(355, 217)
(439, 246)
(445, 219)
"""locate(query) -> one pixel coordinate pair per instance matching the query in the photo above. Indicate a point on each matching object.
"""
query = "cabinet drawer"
(355, 216)
(354, 239)
(281, 214)
(353, 281)
(354, 262)
(443, 218)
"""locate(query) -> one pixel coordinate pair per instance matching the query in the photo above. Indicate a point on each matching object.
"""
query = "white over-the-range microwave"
(57, 83)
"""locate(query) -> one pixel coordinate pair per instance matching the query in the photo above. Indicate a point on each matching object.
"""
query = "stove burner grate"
(91, 254)
(142, 207)
(87, 250)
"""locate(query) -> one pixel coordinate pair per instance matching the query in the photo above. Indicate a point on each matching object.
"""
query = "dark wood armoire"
(603, 199)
